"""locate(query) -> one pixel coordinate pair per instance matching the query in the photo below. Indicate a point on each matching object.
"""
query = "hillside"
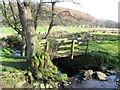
(77, 13)
(70, 17)
(65, 16)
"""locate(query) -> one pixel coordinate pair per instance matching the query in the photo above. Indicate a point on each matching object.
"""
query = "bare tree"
(39, 60)
(28, 28)
(25, 24)
(51, 23)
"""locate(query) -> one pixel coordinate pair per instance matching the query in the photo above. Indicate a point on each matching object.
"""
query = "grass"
(109, 45)
(8, 80)
(6, 55)
(12, 64)
(75, 29)
(101, 33)
(68, 28)
(9, 30)
(10, 74)
(44, 28)
(12, 68)
(10, 60)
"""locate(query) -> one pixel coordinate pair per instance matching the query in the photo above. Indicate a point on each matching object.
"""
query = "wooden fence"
(62, 47)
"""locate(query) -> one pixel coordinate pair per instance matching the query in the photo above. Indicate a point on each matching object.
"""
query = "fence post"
(47, 46)
(72, 49)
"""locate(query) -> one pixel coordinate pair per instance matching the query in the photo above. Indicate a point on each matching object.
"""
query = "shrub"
(14, 42)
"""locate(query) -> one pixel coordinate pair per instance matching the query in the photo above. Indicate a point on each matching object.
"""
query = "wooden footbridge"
(62, 47)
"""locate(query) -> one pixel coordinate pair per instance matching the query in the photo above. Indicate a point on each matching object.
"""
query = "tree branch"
(15, 20)
(51, 23)
(4, 12)
(37, 14)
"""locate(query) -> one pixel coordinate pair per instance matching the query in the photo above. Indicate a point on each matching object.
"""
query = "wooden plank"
(59, 40)
(65, 40)
(72, 49)
(47, 46)
(43, 41)
(68, 54)
(67, 50)
(79, 38)
(64, 51)
(67, 47)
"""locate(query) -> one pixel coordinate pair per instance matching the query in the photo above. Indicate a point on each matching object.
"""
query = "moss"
(8, 80)
(43, 70)
(63, 77)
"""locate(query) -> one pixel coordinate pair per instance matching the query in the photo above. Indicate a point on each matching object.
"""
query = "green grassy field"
(11, 65)
(107, 44)
(9, 30)
(12, 68)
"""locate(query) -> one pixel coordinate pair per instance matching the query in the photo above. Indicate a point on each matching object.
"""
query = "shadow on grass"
(20, 65)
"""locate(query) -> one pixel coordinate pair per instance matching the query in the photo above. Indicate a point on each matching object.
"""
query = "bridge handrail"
(71, 44)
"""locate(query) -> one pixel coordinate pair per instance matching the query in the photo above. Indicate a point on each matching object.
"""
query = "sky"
(101, 9)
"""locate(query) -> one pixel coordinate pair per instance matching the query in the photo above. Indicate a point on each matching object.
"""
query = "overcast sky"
(103, 9)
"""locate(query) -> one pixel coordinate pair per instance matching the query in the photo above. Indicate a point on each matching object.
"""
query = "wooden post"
(87, 47)
(47, 46)
(72, 49)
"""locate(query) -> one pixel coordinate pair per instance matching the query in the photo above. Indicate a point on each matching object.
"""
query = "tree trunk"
(28, 28)
(41, 66)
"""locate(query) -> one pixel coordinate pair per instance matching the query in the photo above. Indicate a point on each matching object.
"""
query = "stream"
(16, 52)
(93, 83)
(110, 83)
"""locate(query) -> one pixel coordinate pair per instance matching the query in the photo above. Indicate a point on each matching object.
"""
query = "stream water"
(109, 83)
(16, 52)
(93, 83)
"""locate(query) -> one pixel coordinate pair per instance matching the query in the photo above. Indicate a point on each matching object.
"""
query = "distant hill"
(65, 16)
(107, 23)
(77, 13)
(68, 17)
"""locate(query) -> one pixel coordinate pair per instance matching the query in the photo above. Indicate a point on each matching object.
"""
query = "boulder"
(42, 85)
(101, 75)
(20, 84)
(88, 74)
(36, 84)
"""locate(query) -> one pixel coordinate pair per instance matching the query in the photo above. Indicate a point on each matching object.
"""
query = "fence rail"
(63, 47)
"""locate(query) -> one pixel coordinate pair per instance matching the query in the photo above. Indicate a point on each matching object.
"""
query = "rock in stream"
(108, 82)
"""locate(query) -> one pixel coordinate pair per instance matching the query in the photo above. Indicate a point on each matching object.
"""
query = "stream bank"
(87, 75)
